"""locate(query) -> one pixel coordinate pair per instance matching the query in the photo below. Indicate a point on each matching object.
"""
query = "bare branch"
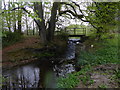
(84, 16)
(70, 15)
(70, 6)
(81, 12)
(69, 11)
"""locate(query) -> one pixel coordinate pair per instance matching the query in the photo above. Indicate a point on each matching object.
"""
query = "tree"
(38, 8)
(19, 30)
(102, 16)
(106, 14)
(12, 19)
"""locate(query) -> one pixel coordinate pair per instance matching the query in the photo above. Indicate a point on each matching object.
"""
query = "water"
(29, 76)
(25, 76)
(70, 53)
(40, 73)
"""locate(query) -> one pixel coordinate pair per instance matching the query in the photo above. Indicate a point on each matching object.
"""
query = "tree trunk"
(26, 23)
(19, 21)
(14, 18)
(39, 10)
(33, 28)
(52, 22)
(19, 26)
(9, 18)
(99, 33)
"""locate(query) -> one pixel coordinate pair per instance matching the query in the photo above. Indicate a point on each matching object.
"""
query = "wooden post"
(74, 32)
(85, 32)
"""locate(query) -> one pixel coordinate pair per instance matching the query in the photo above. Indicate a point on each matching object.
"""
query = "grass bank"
(100, 61)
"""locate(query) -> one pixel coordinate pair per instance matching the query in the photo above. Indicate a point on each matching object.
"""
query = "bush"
(9, 38)
(62, 36)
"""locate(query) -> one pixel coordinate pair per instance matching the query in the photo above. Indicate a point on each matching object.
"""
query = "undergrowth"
(72, 80)
(10, 38)
(107, 54)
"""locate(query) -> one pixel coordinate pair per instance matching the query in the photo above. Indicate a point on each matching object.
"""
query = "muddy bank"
(26, 55)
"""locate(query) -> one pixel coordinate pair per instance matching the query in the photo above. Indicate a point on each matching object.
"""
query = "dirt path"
(28, 42)
(103, 76)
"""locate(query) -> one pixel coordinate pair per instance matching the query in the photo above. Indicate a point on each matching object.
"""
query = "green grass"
(116, 76)
(72, 80)
(102, 86)
(68, 82)
(107, 54)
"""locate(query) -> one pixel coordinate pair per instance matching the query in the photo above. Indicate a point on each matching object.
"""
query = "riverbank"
(98, 66)
(30, 49)
(37, 72)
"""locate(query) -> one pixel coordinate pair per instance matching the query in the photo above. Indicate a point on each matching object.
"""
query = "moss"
(44, 54)
(18, 55)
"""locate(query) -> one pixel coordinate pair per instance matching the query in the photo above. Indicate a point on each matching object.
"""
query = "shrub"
(9, 38)
(62, 36)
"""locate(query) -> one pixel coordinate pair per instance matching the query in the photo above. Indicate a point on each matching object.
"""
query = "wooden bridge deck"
(76, 35)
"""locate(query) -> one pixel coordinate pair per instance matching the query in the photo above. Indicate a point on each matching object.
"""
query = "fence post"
(74, 32)
(85, 32)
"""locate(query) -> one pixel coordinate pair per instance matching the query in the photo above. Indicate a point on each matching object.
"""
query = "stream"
(40, 74)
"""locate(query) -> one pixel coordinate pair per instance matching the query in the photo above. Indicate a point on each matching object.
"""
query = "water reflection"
(23, 77)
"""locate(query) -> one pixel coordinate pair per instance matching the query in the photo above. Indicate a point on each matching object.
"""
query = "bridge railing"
(73, 31)
(76, 31)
